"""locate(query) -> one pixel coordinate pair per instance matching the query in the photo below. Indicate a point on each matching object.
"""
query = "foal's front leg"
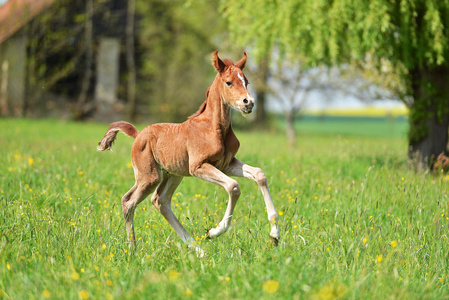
(210, 173)
(240, 169)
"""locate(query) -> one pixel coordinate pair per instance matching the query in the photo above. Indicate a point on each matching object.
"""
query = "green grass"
(355, 221)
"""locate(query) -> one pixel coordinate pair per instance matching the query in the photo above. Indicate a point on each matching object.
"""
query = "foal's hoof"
(274, 241)
(208, 236)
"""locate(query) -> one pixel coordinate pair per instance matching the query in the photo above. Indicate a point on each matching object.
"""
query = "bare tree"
(291, 86)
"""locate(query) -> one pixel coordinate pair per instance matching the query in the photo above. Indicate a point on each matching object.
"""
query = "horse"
(204, 146)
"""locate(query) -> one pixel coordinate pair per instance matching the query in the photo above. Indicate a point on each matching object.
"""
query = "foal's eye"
(228, 83)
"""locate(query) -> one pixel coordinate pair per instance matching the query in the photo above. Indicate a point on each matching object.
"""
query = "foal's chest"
(226, 151)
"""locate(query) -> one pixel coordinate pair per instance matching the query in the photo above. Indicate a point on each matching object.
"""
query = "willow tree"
(409, 38)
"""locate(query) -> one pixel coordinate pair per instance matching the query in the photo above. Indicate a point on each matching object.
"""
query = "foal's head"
(232, 83)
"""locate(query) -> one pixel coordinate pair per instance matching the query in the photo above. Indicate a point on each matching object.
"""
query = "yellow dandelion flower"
(332, 290)
(281, 213)
(173, 274)
(129, 165)
(109, 296)
(75, 276)
(270, 286)
(394, 244)
(8, 266)
(46, 294)
(109, 282)
(379, 258)
(365, 240)
(228, 278)
(441, 280)
(188, 292)
(83, 294)
(30, 161)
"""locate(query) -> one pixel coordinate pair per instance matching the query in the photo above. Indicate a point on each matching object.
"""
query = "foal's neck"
(217, 110)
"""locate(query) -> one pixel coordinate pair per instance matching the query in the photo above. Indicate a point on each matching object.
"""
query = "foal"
(204, 146)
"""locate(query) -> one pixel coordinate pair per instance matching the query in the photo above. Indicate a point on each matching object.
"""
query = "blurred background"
(149, 61)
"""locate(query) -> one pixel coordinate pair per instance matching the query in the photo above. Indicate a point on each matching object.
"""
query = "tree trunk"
(290, 127)
(80, 107)
(130, 60)
(429, 115)
(261, 87)
(4, 89)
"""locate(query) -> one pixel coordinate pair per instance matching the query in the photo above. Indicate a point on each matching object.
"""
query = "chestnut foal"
(204, 146)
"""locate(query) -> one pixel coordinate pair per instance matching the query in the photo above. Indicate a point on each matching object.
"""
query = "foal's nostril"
(245, 101)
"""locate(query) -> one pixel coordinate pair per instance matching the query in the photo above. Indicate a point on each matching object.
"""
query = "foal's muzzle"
(247, 106)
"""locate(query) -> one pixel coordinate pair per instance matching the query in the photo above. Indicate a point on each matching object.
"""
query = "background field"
(355, 221)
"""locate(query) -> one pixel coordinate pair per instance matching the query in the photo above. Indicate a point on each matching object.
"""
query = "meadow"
(356, 222)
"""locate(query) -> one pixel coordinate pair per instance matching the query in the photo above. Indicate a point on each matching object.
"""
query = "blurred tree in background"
(162, 57)
(407, 38)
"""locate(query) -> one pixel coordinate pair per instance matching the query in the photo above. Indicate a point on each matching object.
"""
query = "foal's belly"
(173, 158)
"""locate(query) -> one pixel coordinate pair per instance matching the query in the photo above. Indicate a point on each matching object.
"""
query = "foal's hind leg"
(130, 201)
(147, 179)
(161, 199)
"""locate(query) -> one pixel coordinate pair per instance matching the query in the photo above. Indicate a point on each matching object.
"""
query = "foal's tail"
(111, 134)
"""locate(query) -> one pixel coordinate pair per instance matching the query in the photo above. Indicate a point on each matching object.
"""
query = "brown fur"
(203, 146)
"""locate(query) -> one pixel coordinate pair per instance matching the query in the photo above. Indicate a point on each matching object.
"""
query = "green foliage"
(175, 41)
(412, 33)
(355, 222)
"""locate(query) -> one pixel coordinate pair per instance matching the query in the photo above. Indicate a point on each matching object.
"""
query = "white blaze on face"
(242, 79)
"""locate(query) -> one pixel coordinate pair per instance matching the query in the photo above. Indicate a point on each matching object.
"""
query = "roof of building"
(15, 14)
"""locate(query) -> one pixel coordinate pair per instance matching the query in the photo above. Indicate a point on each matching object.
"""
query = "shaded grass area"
(355, 221)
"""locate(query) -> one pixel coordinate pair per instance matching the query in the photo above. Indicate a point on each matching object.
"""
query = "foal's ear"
(241, 63)
(218, 63)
